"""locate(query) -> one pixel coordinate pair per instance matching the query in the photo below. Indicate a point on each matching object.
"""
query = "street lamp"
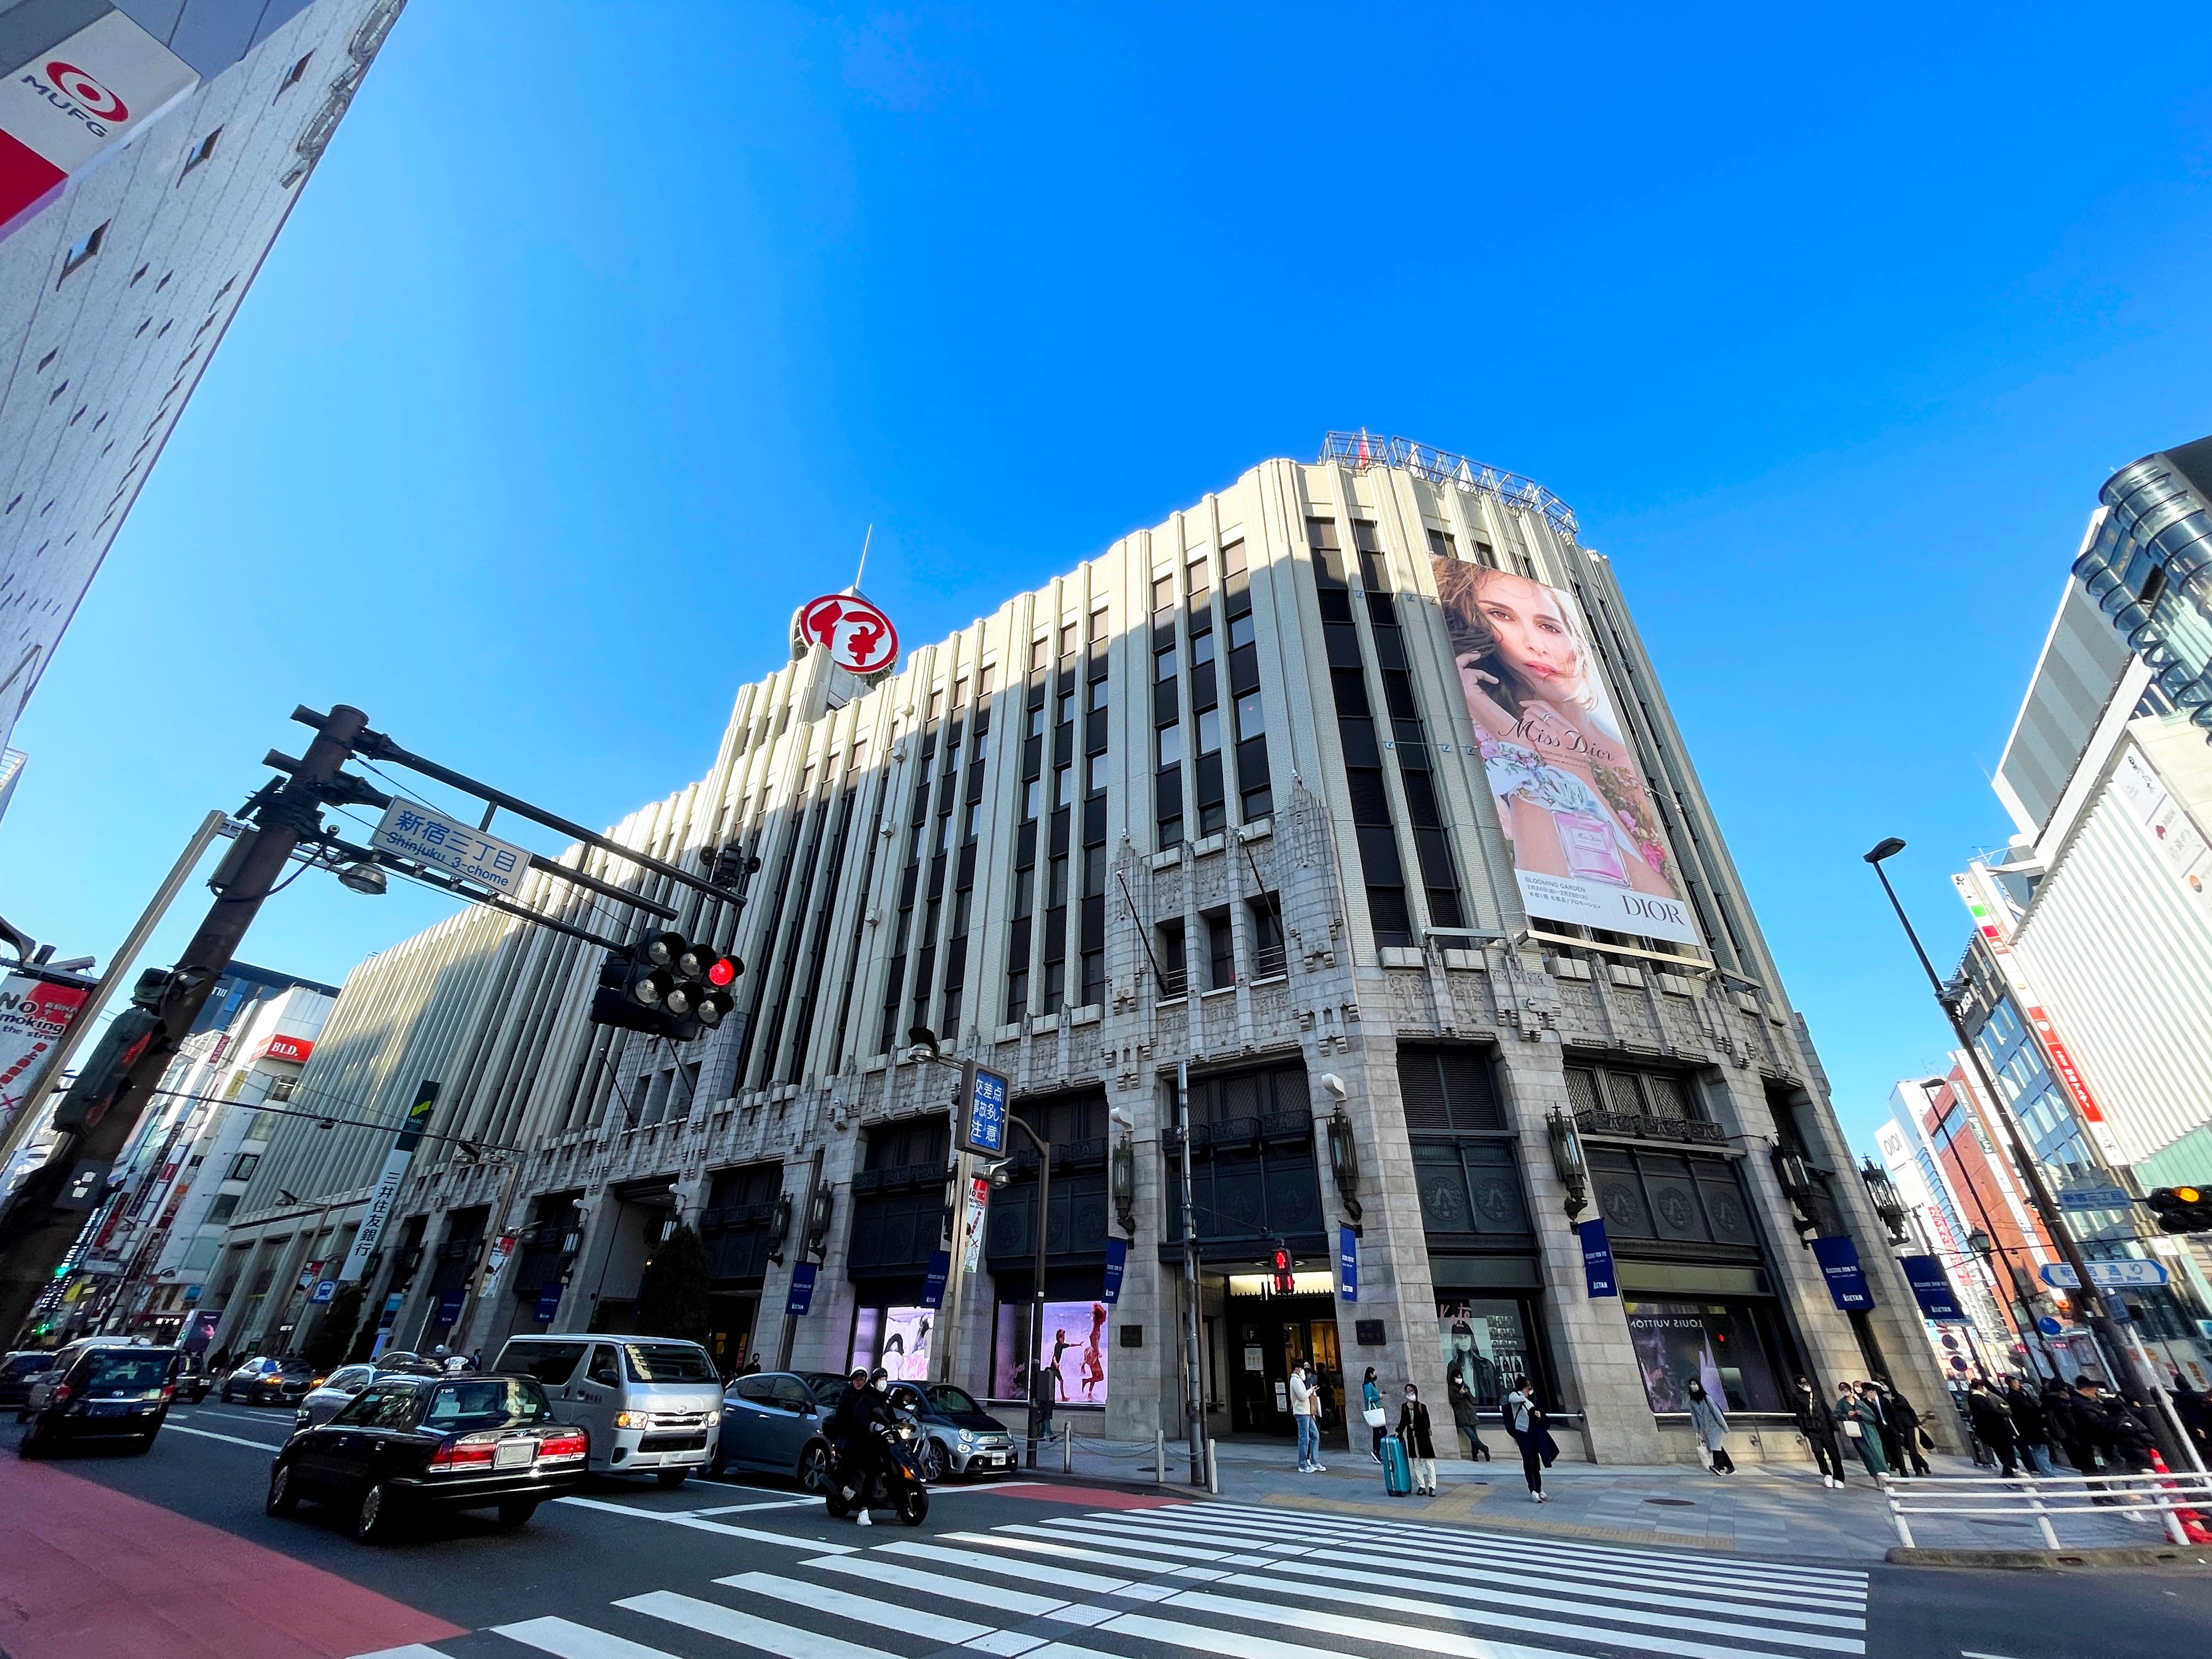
(2116, 1357)
(1567, 1160)
(1886, 1203)
(363, 878)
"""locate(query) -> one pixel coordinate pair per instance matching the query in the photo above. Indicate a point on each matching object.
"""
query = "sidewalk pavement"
(1764, 1508)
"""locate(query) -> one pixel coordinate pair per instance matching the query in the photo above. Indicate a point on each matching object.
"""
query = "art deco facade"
(1261, 792)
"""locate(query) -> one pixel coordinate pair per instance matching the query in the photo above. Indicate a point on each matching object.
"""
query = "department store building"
(1349, 792)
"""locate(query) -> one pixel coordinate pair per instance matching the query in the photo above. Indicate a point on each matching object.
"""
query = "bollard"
(1212, 1470)
(1067, 1450)
(1160, 1457)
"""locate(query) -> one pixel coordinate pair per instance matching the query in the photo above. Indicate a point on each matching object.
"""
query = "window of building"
(242, 1166)
(1097, 694)
(224, 1207)
(1209, 731)
(1168, 739)
(1441, 545)
(1164, 665)
(81, 252)
(281, 1088)
(1201, 648)
(1249, 721)
(202, 151)
(1730, 1347)
(1200, 578)
(1163, 593)
(1097, 765)
(1269, 956)
(1069, 638)
(1063, 788)
(1175, 965)
(1066, 707)
(1220, 951)
(1032, 797)
(296, 74)
(1040, 654)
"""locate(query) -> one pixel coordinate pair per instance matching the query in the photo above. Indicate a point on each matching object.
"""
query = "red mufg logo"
(859, 637)
(97, 100)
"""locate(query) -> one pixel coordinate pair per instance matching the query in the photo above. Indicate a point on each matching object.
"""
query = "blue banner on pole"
(1597, 1257)
(802, 1289)
(549, 1302)
(1117, 1262)
(1931, 1289)
(933, 1277)
(1347, 1263)
(1839, 1264)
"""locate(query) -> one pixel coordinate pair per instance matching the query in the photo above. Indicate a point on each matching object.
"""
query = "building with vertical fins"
(1349, 796)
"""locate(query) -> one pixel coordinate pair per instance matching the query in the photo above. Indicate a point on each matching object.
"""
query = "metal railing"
(2182, 1503)
(1442, 467)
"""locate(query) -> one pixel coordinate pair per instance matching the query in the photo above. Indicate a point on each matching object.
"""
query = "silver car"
(327, 1398)
(773, 1422)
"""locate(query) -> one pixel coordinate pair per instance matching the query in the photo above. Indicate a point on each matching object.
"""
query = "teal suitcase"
(1397, 1473)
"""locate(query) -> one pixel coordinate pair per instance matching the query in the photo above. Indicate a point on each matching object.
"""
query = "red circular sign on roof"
(73, 82)
(858, 636)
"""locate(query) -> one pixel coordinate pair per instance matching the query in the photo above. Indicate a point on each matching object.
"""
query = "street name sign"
(412, 830)
(2100, 1197)
(2106, 1275)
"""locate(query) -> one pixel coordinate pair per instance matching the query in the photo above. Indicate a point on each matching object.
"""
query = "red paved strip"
(1092, 1497)
(90, 1573)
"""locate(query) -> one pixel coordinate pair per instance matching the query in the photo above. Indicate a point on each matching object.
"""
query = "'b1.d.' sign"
(983, 1112)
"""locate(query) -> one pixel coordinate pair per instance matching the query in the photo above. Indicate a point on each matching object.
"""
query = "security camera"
(998, 1173)
(1335, 1085)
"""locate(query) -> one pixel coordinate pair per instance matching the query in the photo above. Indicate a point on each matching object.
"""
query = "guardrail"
(2182, 1503)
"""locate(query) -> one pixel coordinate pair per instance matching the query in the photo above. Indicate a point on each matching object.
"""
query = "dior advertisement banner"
(1586, 843)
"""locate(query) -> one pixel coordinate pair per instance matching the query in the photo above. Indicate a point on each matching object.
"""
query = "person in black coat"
(1904, 1421)
(1993, 1424)
(1420, 1445)
(1817, 1425)
(2032, 1422)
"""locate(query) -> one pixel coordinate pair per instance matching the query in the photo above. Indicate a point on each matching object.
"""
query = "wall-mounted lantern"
(1121, 1179)
(779, 1228)
(818, 1218)
(1886, 1203)
(1567, 1160)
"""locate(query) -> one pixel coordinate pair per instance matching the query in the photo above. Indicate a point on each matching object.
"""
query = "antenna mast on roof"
(857, 575)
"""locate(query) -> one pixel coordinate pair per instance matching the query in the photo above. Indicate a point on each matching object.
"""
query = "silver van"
(653, 1406)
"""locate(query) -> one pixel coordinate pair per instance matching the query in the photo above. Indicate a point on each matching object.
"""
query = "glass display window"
(1729, 1346)
(1485, 1344)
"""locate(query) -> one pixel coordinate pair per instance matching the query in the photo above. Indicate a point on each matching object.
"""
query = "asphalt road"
(717, 1571)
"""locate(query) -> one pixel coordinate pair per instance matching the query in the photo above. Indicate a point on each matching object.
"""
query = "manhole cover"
(1672, 1503)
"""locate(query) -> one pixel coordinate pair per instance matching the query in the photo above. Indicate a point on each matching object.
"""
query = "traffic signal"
(2182, 1209)
(666, 986)
(1285, 1270)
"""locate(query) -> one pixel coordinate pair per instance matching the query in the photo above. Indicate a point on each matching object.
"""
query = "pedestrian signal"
(1286, 1272)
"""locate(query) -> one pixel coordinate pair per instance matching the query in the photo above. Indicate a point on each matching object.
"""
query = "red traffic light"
(721, 971)
(1286, 1272)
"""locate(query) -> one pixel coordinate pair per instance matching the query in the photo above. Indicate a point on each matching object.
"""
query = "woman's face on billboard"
(1532, 634)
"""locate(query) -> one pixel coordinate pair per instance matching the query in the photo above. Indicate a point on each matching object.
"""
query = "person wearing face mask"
(1709, 1423)
(1525, 1422)
(1370, 1411)
(1420, 1446)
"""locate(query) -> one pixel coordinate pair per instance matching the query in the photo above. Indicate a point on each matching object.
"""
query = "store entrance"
(1267, 1336)
(729, 1321)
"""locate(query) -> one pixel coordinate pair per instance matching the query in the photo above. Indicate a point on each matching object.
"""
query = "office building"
(133, 217)
(1348, 798)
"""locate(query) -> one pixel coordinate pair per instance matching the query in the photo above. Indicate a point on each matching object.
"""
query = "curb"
(2051, 1560)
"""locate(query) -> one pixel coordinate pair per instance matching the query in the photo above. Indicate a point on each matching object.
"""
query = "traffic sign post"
(981, 1129)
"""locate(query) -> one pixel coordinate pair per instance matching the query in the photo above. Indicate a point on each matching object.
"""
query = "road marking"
(1036, 1572)
(570, 1641)
(945, 1584)
(1562, 1591)
(859, 1608)
(740, 1508)
(412, 1651)
(715, 1620)
(210, 1434)
(1039, 1547)
(1968, 1653)
(1434, 1604)
(680, 1519)
(1236, 1644)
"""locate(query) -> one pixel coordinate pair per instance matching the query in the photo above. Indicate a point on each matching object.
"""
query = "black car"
(410, 1443)
(106, 1394)
(16, 1371)
(266, 1381)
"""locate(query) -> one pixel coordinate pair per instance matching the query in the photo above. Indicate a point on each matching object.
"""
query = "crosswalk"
(1244, 1581)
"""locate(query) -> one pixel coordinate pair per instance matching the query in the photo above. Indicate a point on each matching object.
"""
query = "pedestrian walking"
(1816, 1425)
(1861, 1428)
(1906, 1422)
(1370, 1411)
(1420, 1446)
(1993, 1424)
(2195, 1412)
(1464, 1414)
(1305, 1403)
(2031, 1422)
(1892, 1451)
(1709, 1424)
(1524, 1421)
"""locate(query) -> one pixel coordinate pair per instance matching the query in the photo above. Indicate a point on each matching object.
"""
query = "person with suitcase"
(1397, 1471)
(1421, 1449)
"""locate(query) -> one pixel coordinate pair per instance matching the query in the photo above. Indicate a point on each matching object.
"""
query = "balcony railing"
(1636, 1127)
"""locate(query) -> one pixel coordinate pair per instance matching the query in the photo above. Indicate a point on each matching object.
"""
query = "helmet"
(877, 1377)
(860, 1376)
(441, 1352)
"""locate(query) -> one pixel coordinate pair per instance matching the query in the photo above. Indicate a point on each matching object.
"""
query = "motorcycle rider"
(852, 1432)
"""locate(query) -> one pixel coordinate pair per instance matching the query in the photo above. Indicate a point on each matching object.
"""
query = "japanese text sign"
(421, 833)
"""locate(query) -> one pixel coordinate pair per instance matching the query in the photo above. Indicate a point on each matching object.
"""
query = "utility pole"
(35, 1233)
(1193, 1340)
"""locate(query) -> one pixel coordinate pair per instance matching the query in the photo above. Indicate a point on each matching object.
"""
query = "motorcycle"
(899, 1482)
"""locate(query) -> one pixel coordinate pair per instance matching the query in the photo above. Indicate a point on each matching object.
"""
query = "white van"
(652, 1405)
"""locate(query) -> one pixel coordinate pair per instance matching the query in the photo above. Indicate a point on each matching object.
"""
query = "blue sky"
(603, 331)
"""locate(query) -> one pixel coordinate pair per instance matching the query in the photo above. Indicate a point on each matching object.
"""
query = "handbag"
(1374, 1416)
(1853, 1427)
(1705, 1455)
